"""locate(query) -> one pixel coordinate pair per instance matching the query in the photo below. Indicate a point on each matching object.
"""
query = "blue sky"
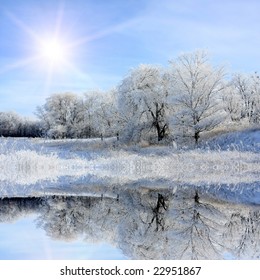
(106, 38)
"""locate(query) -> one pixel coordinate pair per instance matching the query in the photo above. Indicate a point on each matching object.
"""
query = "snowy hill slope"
(247, 140)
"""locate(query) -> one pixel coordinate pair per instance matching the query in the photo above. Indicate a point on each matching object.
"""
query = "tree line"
(13, 125)
(152, 103)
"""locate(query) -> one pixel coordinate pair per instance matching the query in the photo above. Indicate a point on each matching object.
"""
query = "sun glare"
(53, 50)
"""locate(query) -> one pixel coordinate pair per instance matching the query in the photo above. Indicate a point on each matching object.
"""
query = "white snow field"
(36, 166)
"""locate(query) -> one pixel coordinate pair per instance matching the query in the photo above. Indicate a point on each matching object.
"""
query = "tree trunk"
(160, 131)
(196, 137)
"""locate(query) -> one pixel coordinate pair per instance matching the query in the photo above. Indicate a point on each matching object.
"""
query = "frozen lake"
(61, 200)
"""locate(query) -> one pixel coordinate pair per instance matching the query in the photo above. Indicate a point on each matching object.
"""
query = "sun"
(53, 50)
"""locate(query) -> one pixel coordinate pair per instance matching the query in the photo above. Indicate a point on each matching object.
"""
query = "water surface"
(178, 222)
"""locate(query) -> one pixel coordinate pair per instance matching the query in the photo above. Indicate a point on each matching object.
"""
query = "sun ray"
(112, 29)
(22, 26)
(59, 19)
(20, 64)
(48, 81)
(79, 73)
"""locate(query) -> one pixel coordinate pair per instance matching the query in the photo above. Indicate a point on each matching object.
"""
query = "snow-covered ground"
(36, 166)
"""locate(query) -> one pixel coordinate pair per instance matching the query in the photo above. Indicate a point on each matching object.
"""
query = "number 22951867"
(177, 270)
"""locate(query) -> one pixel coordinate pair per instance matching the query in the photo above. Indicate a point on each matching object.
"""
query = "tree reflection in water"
(184, 223)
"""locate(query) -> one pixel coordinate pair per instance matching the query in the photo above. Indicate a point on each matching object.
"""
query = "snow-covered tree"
(232, 103)
(242, 101)
(9, 124)
(62, 115)
(143, 103)
(101, 113)
(67, 115)
(242, 88)
(197, 90)
(255, 88)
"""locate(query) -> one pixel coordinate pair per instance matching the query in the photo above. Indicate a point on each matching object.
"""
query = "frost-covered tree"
(88, 113)
(243, 99)
(62, 116)
(232, 103)
(197, 90)
(107, 114)
(67, 115)
(101, 113)
(143, 103)
(9, 124)
(255, 89)
(241, 84)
